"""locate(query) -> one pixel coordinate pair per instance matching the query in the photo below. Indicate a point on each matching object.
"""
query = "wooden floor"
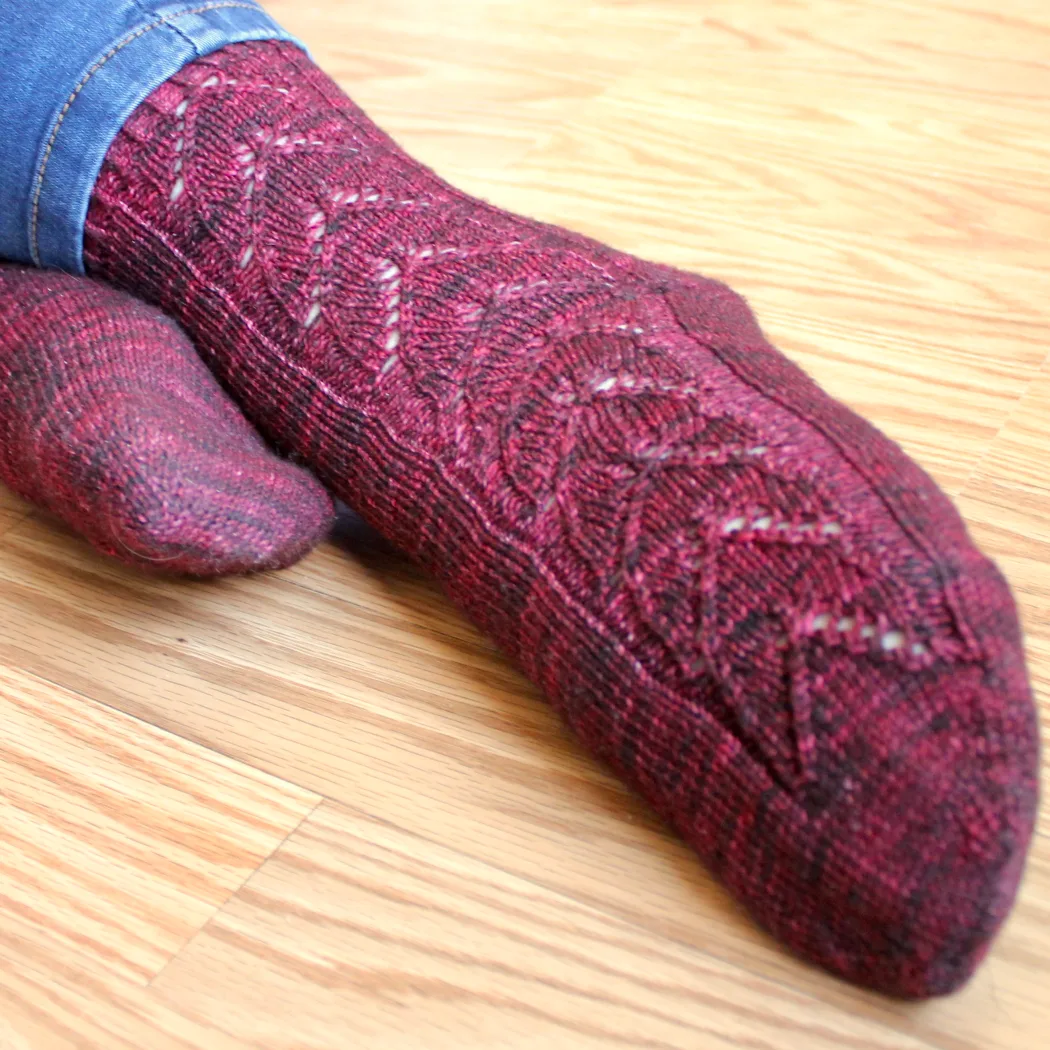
(315, 810)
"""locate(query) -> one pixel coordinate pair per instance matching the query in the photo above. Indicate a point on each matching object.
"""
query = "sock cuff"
(72, 75)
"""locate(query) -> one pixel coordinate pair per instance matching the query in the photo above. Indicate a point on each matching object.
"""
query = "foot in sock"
(110, 420)
(741, 596)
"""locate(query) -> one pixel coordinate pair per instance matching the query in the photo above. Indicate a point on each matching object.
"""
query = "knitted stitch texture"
(110, 420)
(739, 594)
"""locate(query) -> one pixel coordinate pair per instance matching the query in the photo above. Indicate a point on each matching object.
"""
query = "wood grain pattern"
(12, 510)
(1006, 505)
(64, 1005)
(120, 840)
(409, 943)
(472, 86)
(874, 178)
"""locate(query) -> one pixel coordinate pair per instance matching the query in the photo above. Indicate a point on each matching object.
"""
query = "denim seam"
(34, 225)
(171, 25)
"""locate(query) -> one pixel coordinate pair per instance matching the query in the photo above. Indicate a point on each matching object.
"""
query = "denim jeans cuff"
(103, 62)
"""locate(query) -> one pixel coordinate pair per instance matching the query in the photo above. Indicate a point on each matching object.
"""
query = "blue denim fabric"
(71, 73)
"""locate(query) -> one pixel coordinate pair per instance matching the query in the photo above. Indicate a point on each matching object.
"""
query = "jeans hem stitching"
(38, 182)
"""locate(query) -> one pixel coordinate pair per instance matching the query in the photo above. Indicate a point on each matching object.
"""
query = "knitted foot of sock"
(741, 596)
(109, 419)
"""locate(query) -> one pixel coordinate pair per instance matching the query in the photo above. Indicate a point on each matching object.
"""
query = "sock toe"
(112, 422)
(185, 496)
(910, 873)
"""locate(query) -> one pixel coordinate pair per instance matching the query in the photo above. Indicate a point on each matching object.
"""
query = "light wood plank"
(119, 839)
(357, 927)
(12, 509)
(1007, 505)
(474, 86)
(8, 519)
(10, 502)
(879, 196)
(74, 1008)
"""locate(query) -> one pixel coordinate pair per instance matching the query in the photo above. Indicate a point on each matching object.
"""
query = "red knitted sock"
(740, 595)
(110, 420)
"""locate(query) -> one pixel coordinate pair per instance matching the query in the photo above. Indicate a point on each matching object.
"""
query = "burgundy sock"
(109, 419)
(740, 595)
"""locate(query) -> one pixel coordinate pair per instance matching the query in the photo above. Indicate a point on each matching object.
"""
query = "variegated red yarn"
(110, 420)
(740, 595)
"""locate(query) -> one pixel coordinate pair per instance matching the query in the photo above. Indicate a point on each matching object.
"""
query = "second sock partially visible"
(110, 420)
